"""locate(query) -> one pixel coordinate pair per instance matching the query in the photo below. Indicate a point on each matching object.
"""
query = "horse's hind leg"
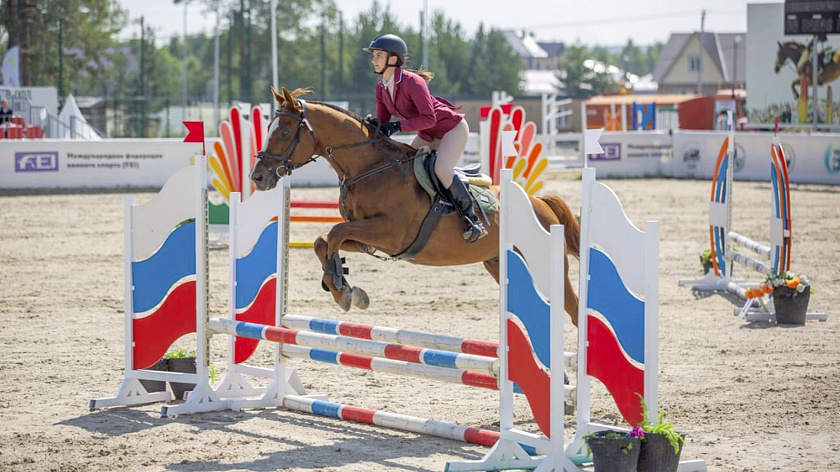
(333, 279)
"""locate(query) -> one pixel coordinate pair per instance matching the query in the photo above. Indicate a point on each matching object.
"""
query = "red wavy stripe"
(260, 312)
(237, 139)
(607, 363)
(535, 383)
(153, 334)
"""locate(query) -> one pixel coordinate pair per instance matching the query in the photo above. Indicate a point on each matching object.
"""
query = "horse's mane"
(355, 116)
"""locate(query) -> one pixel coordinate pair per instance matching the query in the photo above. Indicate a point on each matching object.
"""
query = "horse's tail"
(568, 220)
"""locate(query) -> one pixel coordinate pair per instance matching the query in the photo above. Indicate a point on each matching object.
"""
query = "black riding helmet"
(390, 43)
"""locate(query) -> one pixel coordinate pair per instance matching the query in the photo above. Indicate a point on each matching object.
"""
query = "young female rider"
(403, 95)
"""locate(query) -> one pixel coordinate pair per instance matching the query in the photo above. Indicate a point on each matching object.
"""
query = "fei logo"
(36, 161)
(612, 152)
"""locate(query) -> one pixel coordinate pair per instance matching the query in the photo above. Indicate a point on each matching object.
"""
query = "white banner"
(811, 158)
(112, 163)
(632, 154)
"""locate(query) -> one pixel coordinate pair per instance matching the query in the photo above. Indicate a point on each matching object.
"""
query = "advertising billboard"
(779, 70)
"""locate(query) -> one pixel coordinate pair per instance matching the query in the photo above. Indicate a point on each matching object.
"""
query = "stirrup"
(474, 232)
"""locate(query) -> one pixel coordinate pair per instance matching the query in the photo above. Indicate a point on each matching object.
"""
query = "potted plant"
(179, 361)
(661, 445)
(155, 385)
(791, 293)
(613, 451)
(706, 260)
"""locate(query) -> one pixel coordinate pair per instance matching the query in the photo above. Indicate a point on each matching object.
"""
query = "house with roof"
(714, 61)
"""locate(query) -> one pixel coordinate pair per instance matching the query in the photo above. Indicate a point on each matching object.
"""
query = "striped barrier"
(411, 424)
(312, 204)
(610, 347)
(764, 259)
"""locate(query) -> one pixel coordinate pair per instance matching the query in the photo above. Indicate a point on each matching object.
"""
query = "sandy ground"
(749, 396)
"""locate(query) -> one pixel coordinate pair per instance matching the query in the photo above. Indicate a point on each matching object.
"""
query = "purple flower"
(637, 432)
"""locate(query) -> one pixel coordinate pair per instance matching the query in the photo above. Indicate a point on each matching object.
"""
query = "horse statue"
(828, 62)
(380, 199)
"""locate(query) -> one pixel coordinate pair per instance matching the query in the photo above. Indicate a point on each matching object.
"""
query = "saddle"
(478, 183)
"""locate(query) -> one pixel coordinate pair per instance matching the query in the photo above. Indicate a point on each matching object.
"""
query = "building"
(719, 64)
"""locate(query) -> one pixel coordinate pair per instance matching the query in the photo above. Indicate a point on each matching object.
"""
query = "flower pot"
(613, 454)
(791, 306)
(181, 364)
(657, 454)
(155, 385)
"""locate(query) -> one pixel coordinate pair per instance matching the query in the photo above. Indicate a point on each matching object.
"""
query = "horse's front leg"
(345, 236)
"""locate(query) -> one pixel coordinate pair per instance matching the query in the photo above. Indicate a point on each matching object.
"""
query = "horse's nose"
(257, 177)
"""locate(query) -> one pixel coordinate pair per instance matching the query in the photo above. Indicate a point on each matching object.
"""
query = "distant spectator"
(5, 113)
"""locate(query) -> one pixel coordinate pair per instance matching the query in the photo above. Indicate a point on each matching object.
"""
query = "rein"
(345, 182)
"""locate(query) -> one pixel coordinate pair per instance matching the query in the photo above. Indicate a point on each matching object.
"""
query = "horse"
(828, 69)
(380, 199)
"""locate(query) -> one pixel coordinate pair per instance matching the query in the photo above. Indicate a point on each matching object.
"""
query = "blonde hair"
(425, 74)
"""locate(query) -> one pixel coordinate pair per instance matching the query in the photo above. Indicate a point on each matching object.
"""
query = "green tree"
(494, 65)
(88, 37)
(573, 73)
(633, 59)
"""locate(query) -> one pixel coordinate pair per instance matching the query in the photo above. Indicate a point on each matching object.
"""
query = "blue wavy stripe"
(440, 358)
(720, 197)
(253, 269)
(153, 277)
(526, 303)
(624, 312)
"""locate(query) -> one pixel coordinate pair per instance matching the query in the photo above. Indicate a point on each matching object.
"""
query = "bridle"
(285, 159)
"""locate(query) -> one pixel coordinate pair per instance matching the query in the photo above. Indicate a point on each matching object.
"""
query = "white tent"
(72, 124)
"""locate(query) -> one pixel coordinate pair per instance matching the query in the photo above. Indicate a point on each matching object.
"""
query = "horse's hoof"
(360, 298)
(346, 299)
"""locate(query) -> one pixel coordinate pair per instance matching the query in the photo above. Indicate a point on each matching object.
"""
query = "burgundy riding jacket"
(415, 107)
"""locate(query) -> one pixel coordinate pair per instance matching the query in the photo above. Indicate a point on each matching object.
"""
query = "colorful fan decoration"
(528, 164)
(226, 160)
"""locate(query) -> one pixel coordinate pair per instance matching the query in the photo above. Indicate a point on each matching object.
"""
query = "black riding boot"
(460, 197)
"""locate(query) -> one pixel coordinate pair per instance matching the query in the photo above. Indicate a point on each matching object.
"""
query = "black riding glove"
(373, 121)
(391, 127)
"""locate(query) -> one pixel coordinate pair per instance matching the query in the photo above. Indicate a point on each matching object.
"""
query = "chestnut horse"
(380, 200)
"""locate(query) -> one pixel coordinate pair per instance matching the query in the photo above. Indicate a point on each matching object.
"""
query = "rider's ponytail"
(425, 74)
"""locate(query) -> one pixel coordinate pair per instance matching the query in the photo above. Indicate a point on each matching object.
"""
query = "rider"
(404, 95)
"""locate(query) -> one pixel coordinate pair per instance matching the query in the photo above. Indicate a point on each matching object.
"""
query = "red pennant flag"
(195, 133)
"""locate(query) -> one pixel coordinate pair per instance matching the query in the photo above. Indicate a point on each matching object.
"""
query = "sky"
(592, 22)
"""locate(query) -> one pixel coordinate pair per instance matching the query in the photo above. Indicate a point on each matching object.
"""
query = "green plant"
(182, 353)
(178, 354)
(661, 427)
(706, 257)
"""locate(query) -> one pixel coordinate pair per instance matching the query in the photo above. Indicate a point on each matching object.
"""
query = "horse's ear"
(780, 44)
(290, 101)
(277, 95)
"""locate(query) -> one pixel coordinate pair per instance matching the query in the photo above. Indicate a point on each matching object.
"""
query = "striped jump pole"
(315, 219)
(402, 336)
(398, 352)
(396, 421)
(391, 335)
(323, 204)
(390, 366)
